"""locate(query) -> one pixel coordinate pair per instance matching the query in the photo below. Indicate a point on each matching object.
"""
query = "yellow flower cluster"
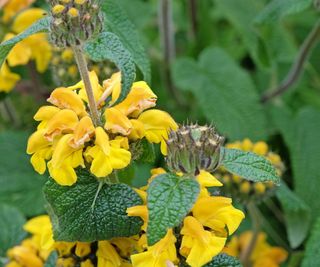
(66, 137)
(35, 250)
(12, 7)
(244, 189)
(203, 234)
(35, 47)
(263, 255)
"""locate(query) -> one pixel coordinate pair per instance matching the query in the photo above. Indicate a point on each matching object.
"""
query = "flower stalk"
(84, 73)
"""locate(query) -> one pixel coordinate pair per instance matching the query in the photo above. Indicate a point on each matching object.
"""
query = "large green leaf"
(301, 136)
(224, 260)
(294, 210)
(41, 25)
(108, 46)
(170, 198)
(312, 251)
(116, 21)
(277, 9)
(225, 92)
(20, 185)
(249, 165)
(11, 231)
(86, 212)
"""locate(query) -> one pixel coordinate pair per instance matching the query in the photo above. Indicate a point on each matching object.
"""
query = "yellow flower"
(139, 211)
(26, 18)
(157, 124)
(206, 179)
(106, 155)
(96, 87)
(8, 79)
(20, 54)
(158, 254)
(117, 122)
(83, 132)
(44, 114)
(112, 87)
(67, 99)
(65, 159)
(199, 246)
(107, 255)
(139, 98)
(137, 131)
(24, 256)
(12, 7)
(82, 249)
(263, 255)
(217, 213)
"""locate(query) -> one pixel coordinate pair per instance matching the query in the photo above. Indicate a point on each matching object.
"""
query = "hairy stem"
(247, 252)
(84, 72)
(193, 17)
(297, 67)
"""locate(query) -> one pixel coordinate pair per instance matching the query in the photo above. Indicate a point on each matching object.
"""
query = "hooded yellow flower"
(107, 255)
(199, 246)
(8, 79)
(12, 7)
(158, 254)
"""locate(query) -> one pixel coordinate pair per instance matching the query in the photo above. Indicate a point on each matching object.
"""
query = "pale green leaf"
(312, 250)
(249, 165)
(294, 210)
(170, 198)
(117, 21)
(108, 46)
(11, 231)
(20, 185)
(229, 103)
(85, 212)
(278, 9)
(41, 25)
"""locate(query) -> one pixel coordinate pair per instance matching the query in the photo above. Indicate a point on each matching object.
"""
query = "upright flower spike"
(74, 22)
(193, 148)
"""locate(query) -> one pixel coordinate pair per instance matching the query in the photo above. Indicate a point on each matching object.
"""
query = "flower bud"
(193, 148)
(74, 21)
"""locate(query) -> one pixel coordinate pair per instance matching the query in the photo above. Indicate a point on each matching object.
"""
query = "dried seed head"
(193, 148)
(74, 21)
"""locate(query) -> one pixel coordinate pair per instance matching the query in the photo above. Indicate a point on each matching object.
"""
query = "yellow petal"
(117, 122)
(27, 18)
(12, 7)
(83, 131)
(8, 79)
(45, 113)
(37, 141)
(206, 179)
(64, 121)
(100, 165)
(38, 163)
(107, 255)
(137, 131)
(37, 224)
(112, 87)
(139, 98)
(64, 175)
(102, 140)
(119, 157)
(64, 98)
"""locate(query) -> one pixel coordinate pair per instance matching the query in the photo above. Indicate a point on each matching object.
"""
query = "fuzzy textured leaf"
(224, 260)
(312, 251)
(117, 21)
(11, 231)
(277, 9)
(76, 217)
(108, 46)
(249, 165)
(41, 25)
(229, 103)
(20, 185)
(294, 209)
(170, 198)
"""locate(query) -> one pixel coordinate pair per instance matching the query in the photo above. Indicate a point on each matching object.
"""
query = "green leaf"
(229, 103)
(294, 210)
(143, 151)
(20, 185)
(41, 25)
(249, 165)
(312, 251)
(302, 138)
(88, 210)
(117, 21)
(11, 231)
(170, 198)
(224, 260)
(278, 9)
(52, 260)
(108, 46)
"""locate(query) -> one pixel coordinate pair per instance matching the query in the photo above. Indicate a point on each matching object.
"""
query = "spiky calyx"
(74, 21)
(193, 148)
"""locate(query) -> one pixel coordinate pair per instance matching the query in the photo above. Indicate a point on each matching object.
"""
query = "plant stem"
(297, 66)
(247, 252)
(9, 112)
(193, 18)
(84, 72)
